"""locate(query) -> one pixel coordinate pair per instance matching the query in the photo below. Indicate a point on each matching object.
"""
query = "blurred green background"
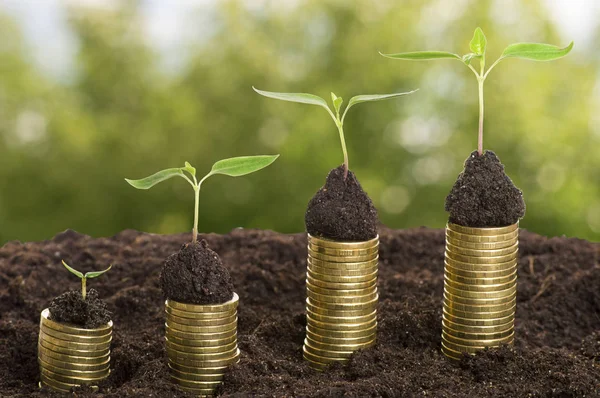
(95, 91)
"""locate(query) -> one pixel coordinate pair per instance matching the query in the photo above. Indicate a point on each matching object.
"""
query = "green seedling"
(85, 277)
(233, 167)
(333, 112)
(531, 51)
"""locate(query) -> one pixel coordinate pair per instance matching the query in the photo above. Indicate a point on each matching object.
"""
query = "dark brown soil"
(196, 275)
(483, 195)
(557, 322)
(70, 307)
(342, 210)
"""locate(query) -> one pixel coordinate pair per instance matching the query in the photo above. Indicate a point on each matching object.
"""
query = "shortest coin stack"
(341, 304)
(480, 288)
(71, 356)
(201, 343)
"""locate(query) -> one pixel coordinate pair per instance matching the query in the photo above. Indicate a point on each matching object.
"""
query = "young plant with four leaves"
(337, 104)
(233, 167)
(85, 277)
(531, 51)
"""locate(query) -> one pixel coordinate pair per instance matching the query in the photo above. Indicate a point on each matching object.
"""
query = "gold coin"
(481, 295)
(476, 336)
(475, 287)
(341, 259)
(175, 355)
(340, 347)
(202, 308)
(345, 265)
(193, 383)
(320, 241)
(480, 308)
(325, 353)
(340, 285)
(196, 377)
(320, 367)
(474, 346)
(324, 300)
(201, 329)
(482, 239)
(209, 342)
(341, 326)
(372, 304)
(77, 339)
(479, 281)
(93, 355)
(78, 374)
(482, 245)
(341, 319)
(342, 279)
(491, 253)
(338, 252)
(205, 362)
(57, 385)
(450, 354)
(198, 391)
(481, 260)
(70, 345)
(201, 322)
(341, 333)
(480, 315)
(50, 373)
(51, 388)
(312, 307)
(478, 301)
(340, 340)
(342, 292)
(482, 231)
(200, 370)
(73, 358)
(69, 329)
(320, 359)
(170, 332)
(86, 367)
(477, 329)
(200, 316)
(341, 272)
(478, 322)
(201, 350)
(470, 270)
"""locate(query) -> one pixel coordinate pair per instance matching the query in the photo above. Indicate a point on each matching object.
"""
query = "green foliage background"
(65, 147)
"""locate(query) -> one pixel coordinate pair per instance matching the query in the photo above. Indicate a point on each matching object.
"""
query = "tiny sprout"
(531, 51)
(233, 167)
(337, 103)
(85, 277)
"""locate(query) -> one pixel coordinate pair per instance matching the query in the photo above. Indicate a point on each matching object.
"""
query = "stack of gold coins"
(480, 288)
(201, 343)
(341, 304)
(70, 356)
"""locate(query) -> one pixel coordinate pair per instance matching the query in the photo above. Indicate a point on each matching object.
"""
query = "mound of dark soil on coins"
(557, 324)
(70, 307)
(341, 210)
(196, 275)
(483, 195)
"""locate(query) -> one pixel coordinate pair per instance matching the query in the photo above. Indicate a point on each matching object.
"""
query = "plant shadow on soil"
(557, 349)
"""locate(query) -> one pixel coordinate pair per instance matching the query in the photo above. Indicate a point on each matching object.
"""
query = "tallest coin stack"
(341, 304)
(480, 288)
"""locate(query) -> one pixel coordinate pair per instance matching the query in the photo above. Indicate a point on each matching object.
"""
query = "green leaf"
(536, 51)
(422, 55)
(337, 102)
(468, 57)
(73, 270)
(295, 97)
(478, 42)
(190, 169)
(242, 165)
(149, 182)
(375, 97)
(95, 274)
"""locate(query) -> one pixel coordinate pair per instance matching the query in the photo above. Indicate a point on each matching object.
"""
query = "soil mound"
(70, 307)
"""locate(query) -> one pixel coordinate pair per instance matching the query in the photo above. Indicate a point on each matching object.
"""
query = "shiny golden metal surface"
(345, 265)
(498, 294)
(324, 300)
(61, 356)
(202, 322)
(57, 385)
(477, 287)
(93, 375)
(343, 245)
(202, 308)
(489, 253)
(340, 347)
(200, 316)
(340, 252)
(208, 363)
(170, 332)
(477, 336)
(202, 342)
(74, 366)
(342, 279)
(346, 334)
(75, 380)
(351, 327)
(201, 350)
(463, 345)
(474, 260)
(321, 359)
(500, 269)
(93, 354)
(172, 324)
(174, 355)
(482, 239)
(477, 329)
(325, 353)
(480, 308)
(340, 340)
(341, 319)
(342, 259)
(76, 339)
(341, 292)
(340, 285)
(482, 231)
(477, 301)
(70, 329)
(481, 245)
(480, 315)
(196, 377)
(478, 322)
(479, 280)
(344, 312)
(70, 345)
(362, 272)
(470, 274)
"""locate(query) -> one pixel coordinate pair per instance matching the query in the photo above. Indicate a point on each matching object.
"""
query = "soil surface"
(342, 210)
(71, 308)
(556, 353)
(196, 275)
(483, 195)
